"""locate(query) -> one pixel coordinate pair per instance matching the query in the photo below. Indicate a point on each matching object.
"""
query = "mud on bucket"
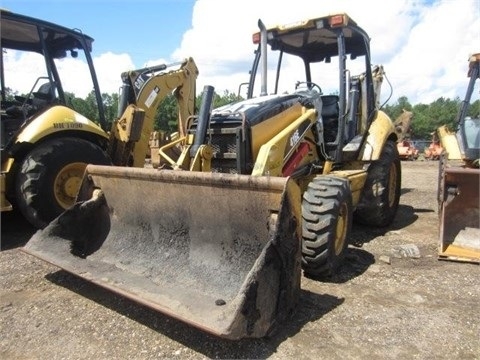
(218, 251)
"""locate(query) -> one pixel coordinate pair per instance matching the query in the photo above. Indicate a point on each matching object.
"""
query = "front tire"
(381, 194)
(327, 222)
(50, 177)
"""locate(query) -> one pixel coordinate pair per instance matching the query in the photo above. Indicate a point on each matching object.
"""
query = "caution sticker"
(151, 98)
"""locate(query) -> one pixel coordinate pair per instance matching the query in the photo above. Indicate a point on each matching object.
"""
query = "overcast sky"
(422, 44)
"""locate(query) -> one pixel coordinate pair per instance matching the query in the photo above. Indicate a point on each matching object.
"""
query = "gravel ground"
(393, 299)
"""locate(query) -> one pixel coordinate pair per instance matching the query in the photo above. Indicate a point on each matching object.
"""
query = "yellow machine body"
(242, 197)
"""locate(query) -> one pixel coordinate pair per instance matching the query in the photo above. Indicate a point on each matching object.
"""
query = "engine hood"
(256, 109)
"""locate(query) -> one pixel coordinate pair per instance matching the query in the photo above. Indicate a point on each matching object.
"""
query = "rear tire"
(50, 176)
(327, 222)
(381, 194)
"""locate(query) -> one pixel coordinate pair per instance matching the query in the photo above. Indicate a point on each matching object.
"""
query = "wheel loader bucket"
(460, 215)
(220, 252)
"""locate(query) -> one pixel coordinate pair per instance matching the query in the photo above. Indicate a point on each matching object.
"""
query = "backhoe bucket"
(460, 215)
(220, 252)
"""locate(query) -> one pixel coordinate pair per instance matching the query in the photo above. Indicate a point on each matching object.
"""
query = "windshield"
(472, 133)
(38, 57)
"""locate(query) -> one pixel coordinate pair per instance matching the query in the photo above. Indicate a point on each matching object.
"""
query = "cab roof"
(315, 40)
(22, 32)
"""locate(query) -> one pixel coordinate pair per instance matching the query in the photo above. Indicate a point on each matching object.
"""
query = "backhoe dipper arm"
(142, 92)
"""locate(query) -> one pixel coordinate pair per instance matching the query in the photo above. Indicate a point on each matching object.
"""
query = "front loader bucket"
(460, 215)
(218, 251)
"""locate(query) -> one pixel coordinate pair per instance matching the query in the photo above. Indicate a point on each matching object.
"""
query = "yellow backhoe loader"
(45, 143)
(254, 191)
(459, 181)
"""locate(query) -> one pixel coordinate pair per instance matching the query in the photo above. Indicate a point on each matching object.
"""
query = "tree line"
(165, 117)
(426, 117)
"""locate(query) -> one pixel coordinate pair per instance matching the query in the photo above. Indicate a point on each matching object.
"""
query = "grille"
(224, 144)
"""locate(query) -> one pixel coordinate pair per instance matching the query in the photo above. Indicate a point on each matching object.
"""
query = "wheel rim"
(67, 183)
(341, 230)
(392, 185)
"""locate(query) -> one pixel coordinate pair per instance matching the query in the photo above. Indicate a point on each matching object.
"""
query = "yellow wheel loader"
(247, 194)
(459, 181)
(45, 143)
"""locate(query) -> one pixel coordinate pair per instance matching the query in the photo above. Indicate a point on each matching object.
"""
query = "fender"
(58, 119)
(382, 128)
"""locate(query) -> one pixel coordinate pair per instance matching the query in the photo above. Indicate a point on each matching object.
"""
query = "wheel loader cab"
(38, 115)
(340, 112)
(46, 45)
(332, 54)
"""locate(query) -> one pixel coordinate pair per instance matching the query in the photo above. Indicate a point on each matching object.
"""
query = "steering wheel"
(311, 86)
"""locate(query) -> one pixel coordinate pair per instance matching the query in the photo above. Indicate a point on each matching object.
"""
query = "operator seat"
(43, 97)
(330, 115)
(17, 112)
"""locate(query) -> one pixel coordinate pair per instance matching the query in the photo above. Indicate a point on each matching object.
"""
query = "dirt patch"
(393, 299)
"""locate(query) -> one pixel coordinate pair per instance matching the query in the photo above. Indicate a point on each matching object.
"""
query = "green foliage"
(110, 104)
(474, 109)
(10, 94)
(443, 112)
(167, 115)
(422, 127)
(427, 118)
(88, 106)
(81, 106)
(396, 110)
(227, 98)
(219, 100)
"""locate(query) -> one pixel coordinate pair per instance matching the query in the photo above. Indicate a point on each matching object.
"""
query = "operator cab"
(37, 52)
(323, 54)
(310, 55)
